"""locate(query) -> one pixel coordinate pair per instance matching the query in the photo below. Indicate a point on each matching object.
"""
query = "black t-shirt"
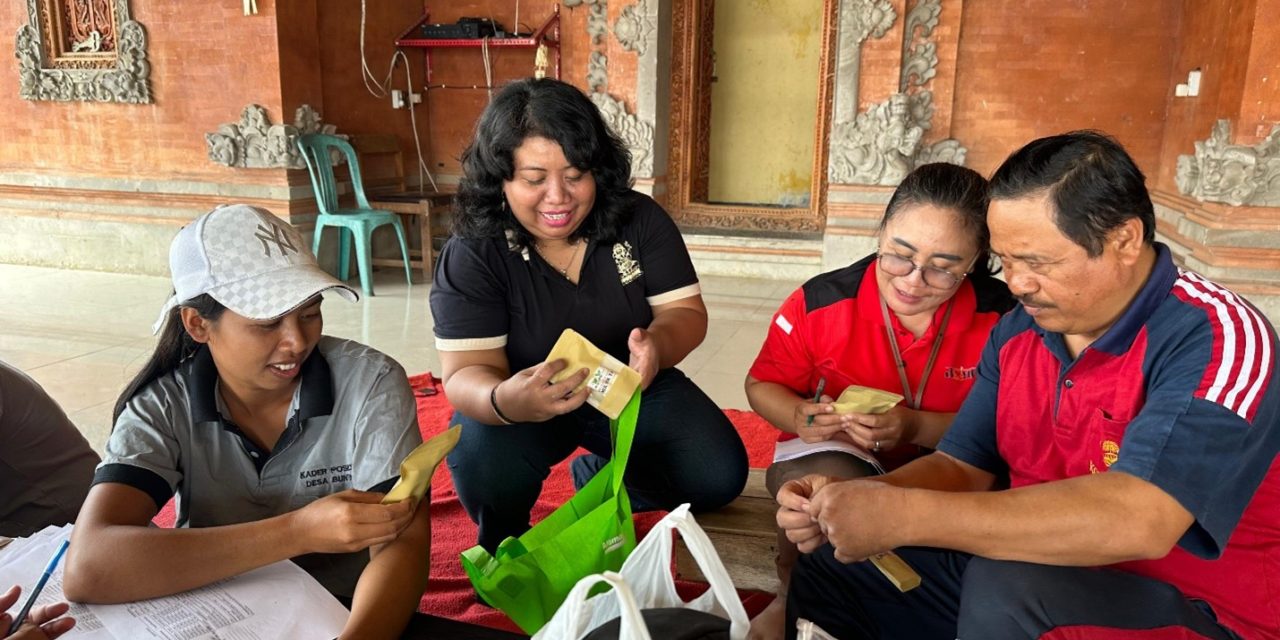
(488, 295)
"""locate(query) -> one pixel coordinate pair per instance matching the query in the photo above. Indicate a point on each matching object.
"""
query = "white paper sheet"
(276, 601)
(797, 448)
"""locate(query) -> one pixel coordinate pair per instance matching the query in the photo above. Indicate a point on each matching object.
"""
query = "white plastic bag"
(648, 584)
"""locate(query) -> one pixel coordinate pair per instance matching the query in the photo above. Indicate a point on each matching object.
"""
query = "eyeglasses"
(936, 277)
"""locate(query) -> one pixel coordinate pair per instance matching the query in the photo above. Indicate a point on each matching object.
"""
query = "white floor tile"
(84, 334)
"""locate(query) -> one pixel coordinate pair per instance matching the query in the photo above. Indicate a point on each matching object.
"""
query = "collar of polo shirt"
(316, 395)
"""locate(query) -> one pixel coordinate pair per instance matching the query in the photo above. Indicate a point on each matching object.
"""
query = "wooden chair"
(382, 162)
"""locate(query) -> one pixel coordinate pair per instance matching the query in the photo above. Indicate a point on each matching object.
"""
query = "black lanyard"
(914, 401)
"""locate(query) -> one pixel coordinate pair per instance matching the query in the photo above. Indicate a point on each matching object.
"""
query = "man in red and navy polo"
(1112, 474)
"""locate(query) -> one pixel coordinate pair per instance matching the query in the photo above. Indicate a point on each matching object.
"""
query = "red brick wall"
(448, 116)
(1216, 37)
(207, 62)
(1029, 68)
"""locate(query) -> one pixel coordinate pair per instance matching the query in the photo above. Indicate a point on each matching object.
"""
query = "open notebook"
(276, 601)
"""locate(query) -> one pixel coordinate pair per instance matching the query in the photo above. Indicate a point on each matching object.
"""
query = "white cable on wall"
(367, 75)
(382, 90)
(413, 120)
(488, 67)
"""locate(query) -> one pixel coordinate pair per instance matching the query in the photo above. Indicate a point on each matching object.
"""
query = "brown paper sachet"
(610, 381)
(420, 465)
(858, 399)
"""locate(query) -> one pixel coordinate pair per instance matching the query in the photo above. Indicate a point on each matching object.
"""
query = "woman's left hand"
(644, 355)
(881, 432)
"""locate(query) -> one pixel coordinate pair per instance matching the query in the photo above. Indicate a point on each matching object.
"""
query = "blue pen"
(35, 593)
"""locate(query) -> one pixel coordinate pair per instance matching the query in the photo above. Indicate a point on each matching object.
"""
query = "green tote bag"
(530, 576)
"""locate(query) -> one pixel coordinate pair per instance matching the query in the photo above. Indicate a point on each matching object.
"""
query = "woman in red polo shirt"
(911, 319)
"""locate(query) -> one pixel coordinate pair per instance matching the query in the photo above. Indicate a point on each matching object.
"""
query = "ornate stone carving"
(919, 55)
(883, 144)
(53, 65)
(1232, 173)
(598, 20)
(597, 72)
(859, 19)
(636, 133)
(255, 143)
(635, 29)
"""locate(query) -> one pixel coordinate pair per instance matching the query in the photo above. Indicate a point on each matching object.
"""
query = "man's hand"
(857, 517)
(530, 396)
(795, 508)
(644, 355)
(42, 623)
(350, 521)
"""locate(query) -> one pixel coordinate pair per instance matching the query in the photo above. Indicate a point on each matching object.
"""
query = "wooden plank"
(755, 485)
(748, 559)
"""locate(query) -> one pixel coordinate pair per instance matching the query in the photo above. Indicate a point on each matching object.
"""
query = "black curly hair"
(557, 111)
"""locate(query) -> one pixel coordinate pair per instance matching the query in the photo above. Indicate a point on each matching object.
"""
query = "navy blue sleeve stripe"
(145, 480)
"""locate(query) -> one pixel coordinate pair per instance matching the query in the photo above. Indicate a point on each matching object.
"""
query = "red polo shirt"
(832, 327)
(1182, 391)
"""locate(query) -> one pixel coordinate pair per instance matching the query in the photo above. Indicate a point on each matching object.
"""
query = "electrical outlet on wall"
(397, 99)
(415, 98)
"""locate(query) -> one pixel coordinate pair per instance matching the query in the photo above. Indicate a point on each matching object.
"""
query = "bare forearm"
(677, 332)
(774, 403)
(938, 472)
(468, 390)
(1085, 521)
(930, 426)
(391, 586)
(123, 563)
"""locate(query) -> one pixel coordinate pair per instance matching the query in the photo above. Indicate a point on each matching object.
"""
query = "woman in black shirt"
(549, 235)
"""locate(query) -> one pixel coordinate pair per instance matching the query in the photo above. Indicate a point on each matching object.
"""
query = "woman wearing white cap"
(277, 441)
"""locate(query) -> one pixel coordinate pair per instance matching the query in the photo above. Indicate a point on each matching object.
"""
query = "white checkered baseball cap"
(250, 261)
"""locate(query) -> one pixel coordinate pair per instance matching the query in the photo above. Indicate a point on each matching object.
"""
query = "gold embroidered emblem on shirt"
(1110, 452)
(628, 268)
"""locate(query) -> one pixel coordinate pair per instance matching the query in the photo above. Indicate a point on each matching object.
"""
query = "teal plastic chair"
(353, 224)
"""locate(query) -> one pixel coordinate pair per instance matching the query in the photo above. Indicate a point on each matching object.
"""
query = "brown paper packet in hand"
(611, 382)
(420, 465)
(857, 399)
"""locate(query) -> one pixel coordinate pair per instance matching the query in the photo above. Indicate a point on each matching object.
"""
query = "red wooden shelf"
(548, 34)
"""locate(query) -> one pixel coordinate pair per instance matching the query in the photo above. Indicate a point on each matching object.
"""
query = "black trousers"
(685, 450)
(973, 598)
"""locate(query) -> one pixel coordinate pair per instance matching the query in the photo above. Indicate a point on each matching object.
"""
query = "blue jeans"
(685, 450)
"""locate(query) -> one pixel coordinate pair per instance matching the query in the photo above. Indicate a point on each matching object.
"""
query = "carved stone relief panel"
(1234, 174)
(597, 72)
(255, 143)
(598, 21)
(883, 144)
(634, 28)
(638, 34)
(636, 133)
(85, 50)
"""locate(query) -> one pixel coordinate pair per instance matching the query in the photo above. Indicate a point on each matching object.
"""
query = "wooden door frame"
(692, 28)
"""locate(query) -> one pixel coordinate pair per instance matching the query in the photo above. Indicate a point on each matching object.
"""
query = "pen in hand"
(822, 382)
(35, 593)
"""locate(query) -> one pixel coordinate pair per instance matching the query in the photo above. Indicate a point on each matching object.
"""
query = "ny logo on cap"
(277, 235)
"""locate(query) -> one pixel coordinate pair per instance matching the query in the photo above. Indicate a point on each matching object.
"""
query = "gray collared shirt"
(353, 420)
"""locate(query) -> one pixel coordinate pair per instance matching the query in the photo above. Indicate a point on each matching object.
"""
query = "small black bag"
(670, 624)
